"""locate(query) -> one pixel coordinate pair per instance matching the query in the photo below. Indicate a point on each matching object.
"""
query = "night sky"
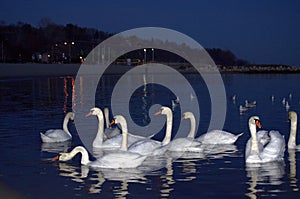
(259, 31)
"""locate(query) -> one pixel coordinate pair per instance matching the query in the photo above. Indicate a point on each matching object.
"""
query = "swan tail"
(239, 135)
(44, 138)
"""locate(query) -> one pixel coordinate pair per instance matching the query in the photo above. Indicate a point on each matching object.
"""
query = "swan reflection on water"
(262, 176)
(293, 167)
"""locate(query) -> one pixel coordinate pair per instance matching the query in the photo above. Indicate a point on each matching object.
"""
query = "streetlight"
(152, 55)
(70, 43)
(145, 57)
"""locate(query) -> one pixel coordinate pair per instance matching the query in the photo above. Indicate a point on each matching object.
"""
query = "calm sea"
(31, 105)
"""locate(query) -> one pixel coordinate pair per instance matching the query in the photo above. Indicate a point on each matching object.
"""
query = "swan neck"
(65, 124)
(169, 124)
(99, 137)
(293, 131)
(124, 135)
(106, 116)
(254, 143)
(84, 154)
(193, 127)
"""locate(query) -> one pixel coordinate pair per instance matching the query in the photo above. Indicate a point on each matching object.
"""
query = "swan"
(218, 137)
(151, 147)
(114, 142)
(250, 104)
(59, 135)
(187, 143)
(109, 131)
(293, 131)
(113, 160)
(243, 109)
(258, 152)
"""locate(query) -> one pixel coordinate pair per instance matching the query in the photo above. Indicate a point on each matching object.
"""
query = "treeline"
(52, 43)
(21, 42)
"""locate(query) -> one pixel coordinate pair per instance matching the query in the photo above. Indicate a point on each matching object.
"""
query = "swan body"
(250, 104)
(152, 147)
(109, 131)
(218, 137)
(243, 109)
(293, 131)
(58, 135)
(188, 143)
(115, 160)
(257, 152)
(115, 141)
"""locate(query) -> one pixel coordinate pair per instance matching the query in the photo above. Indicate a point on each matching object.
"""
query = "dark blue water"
(31, 105)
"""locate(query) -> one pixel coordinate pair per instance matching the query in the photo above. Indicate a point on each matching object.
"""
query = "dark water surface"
(31, 105)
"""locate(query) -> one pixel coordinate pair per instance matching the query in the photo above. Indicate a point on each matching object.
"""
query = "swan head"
(254, 120)
(186, 115)
(62, 157)
(71, 116)
(94, 111)
(163, 111)
(118, 119)
(293, 116)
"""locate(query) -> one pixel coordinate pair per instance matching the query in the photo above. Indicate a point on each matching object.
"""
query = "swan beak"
(258, 124)
(158, 112)
(55, 158)
(89, 114)
(112, 122)
(183, 117)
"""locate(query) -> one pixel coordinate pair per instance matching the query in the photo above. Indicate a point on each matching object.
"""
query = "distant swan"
(250, 104)
(187, 143)
(59, 135)
(258, 152)
(293, 131)
(117, 159)
(153, 147)
(114, 142)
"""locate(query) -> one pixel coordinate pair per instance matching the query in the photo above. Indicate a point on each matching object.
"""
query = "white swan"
(59, 135)
(243, 109)
(114, 142)
(115, 160)
(109, 131)
(187, 143)
(293, 131)
(250, 104)
(259, 152)
(218, 137)
(152, 147)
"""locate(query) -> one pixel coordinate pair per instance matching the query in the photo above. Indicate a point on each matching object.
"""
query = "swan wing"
(274, 150)
(120, 159)
(144, 147)
(218, 137)
(111, 132)
(114, 142)
(263, 137)
(183, 144)
(55, 135)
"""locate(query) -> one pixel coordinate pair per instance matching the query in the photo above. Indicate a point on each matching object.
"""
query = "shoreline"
(10, 70)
